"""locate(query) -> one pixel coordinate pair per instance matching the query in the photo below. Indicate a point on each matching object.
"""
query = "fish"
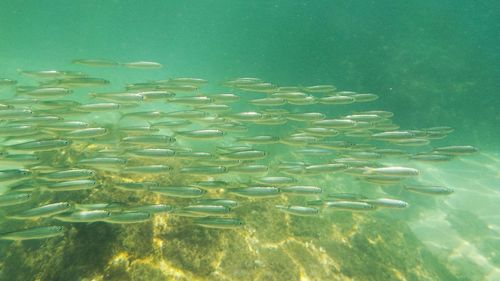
(334, 123)
(364, 117)
(187, 80)
(396, 171)
(71, 174)
(144, 114)
(218, 201)
(149, 140)
(336, 100)
(178, 191)
(25, 185)
(301, 189)
(290, 95)
(307, 116)
(366, 155)
(207, 209)
(320, 89)
(440, 129)
(246, 116)
(430, 189)
(96, 62)
(350, 205)
(97, 107)
(14, 198)
(255, 191)
(393, 135)
(299, 140)
(14, 113)
(147, 169)
(138, 129)
(51, 74)
(47, 92)
(387, 203)
(246, 155)
(268, 101)
(211, 184)
(128, 217)
(152, 152)
(119, 98)
(191, 100)
(456, 150)
(18, 130)
(113, 206)
(412, 142)
(275, 180)
(72, 185)
(78, 82)
(313, 152)
(298, 210)
(194, 154)
(225, 98)
(325, 168)
(36, 120)
(34, 233)
(5, 82)
(176, 146)
(41, 145)
(249, 168)
(383, 179)
(155, 95)
(201, 134)
(65, 125)
(143, 64)
(11, 174)
(171, 123)
(259, 139)
(214, 107)
(390, 151)
(186, 114)
(135, 186)
(431, 157)
(381, 113)
(220, 223)
(41, 211)
(321, 132)
(152, 208)
(83, 216)
(203, 170)
(86, 133)
(365, 97)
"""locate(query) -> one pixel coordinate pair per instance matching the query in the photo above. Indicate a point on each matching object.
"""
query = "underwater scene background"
(431, 64)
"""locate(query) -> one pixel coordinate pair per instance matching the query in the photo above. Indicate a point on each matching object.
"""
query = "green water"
(432, 63)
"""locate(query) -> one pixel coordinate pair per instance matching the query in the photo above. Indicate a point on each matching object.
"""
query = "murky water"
(426, 64)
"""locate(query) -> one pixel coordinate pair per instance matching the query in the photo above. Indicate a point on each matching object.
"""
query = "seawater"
(432, 64)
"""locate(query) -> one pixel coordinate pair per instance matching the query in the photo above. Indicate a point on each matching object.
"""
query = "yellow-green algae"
(272, 245)
(347, 247)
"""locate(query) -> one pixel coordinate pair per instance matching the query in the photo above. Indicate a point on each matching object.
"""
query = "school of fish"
(200, 155)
